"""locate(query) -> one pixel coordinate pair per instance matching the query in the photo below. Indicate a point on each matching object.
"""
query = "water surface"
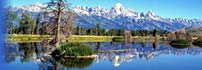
(111, 56)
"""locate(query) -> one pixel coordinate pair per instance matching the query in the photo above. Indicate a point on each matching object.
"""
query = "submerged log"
(66, 56)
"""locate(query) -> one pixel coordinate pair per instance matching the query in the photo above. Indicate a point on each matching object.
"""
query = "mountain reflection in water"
(147, 51)
(115, 53)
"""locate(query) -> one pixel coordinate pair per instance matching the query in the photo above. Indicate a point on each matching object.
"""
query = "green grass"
(74, 38)
(85, 38)
(117, 39)
(74, 49)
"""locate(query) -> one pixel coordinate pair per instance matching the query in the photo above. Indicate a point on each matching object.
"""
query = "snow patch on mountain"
(117, 18)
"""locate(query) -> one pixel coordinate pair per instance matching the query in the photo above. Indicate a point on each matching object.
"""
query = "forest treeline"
(26, 24)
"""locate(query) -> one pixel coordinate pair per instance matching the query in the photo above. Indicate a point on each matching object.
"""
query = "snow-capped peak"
(151, 13)
(117, 17)
(130, 12)
(36, 7)
(118, 6)
(99, 7)
(117, 9)
(38, 4)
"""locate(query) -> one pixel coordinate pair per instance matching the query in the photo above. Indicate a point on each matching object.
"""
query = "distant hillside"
(196, 31)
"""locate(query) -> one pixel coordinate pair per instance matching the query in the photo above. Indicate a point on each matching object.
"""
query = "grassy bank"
(74, 38)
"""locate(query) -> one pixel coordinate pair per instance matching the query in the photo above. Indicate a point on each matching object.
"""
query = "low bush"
(75, 63)
(180, 43)
(74, 49)
(117, 39)
(197, 42)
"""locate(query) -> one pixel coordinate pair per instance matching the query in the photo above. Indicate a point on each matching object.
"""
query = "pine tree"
(26, 24)
(10, 20)
(98, 32)
(38, 20)
(154, 32)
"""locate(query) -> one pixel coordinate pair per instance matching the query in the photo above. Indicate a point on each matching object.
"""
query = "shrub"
(117, 39)
(75, 63)
(180, 43)
(74, 49)
(198, 42)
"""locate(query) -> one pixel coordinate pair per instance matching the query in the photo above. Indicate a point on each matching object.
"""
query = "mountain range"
(116, 18)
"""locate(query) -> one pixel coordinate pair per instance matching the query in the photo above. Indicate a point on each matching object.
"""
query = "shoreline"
(22, 38)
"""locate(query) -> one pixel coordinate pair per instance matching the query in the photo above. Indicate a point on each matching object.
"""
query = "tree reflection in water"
(26, 51)
(155, 44)
(116, 53)
(76, 63)
(180, 46)
(11, 51)
(36, 53)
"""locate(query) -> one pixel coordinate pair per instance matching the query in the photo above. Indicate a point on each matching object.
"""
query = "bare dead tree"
(67, 27)
(58, 15)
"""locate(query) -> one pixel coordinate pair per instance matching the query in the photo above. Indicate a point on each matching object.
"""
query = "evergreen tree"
(154, 32)
(38, 20)
(89, 31)
(78, 32)
(98, 32)
(10, 20)
(113, 32)
(27, 24)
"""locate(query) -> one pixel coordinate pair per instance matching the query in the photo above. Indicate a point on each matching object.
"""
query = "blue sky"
(189, 9)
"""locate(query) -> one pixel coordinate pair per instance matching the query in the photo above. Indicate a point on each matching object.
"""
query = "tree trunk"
(58, 23)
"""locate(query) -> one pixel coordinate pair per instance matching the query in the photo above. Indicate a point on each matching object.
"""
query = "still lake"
(111, 56)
